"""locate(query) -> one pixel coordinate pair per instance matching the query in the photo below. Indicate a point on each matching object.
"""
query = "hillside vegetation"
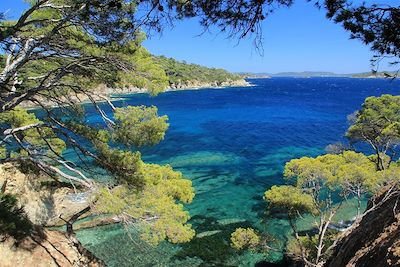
(184, 73)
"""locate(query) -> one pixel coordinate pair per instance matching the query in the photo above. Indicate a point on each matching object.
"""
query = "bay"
(233, 144)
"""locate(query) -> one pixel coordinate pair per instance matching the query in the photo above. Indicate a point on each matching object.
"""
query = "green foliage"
(134, 126)
(82, 44)
(291, 199)
(377, 120)
(378, 124)
(390, 175)
(124, 166)
(42, 137)
(315, 181)
(139, 126)
(149, 196)
(80, 60)
(344, 171)
(3, 152)
(374, 24)
(148, 73)
(245, 238)
(306, 171)
(13, 220)
(214, 248)
(357, 173)
(155, 208)
(182, 72)
(308, 243)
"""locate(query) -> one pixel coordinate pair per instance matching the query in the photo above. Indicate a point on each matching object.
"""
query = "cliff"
(375, 239)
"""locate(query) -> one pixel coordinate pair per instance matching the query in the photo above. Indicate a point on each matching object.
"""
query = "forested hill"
(182, 74)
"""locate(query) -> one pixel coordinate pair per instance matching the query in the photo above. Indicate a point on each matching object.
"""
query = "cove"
(233, 144)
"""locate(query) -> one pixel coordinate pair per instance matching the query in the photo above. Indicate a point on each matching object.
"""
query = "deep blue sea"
(233, 144)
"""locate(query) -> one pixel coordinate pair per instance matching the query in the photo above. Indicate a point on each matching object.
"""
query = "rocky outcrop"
(375, 239)
(198, 84)
(107, 91)
(102, 91)
(34, 202)
(46, 249)
(44, 204)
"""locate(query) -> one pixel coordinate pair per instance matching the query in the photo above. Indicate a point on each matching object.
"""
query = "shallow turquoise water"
(233, 143)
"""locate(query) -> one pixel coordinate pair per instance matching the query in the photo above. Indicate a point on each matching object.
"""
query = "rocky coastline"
(190, 85)
(101, 92)
(45, 205)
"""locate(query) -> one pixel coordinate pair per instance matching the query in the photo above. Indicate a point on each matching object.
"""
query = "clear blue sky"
(296, 39)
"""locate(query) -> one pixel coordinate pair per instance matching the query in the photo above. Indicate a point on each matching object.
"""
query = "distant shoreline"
(317, 74)
(116, 94)
(181, 87)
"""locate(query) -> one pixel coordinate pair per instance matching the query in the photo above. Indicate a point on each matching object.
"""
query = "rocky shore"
(45, 205)
(46, 249)
(201, 85)
(103, 91)
(191, 85)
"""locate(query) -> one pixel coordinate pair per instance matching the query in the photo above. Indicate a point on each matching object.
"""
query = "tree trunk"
(71, 236)
(379, 161)
(358, 202)
(322, 236)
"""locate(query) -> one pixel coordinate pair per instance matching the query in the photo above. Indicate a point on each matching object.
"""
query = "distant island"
(306, 74)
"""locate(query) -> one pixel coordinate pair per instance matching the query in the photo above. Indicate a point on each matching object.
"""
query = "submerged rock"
(230, 221)
(208, 233)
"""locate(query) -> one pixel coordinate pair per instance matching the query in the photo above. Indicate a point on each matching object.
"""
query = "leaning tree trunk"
(72, 237)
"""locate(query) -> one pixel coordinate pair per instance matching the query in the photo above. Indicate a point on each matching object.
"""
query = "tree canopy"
(245, 238)
(320, 187)
(184, 73)
(56, 53)
(378, 124)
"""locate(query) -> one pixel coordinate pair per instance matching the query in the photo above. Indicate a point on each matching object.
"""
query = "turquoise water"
(233, 143)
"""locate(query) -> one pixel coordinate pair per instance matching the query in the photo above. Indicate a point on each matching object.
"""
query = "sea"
(233, 144)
